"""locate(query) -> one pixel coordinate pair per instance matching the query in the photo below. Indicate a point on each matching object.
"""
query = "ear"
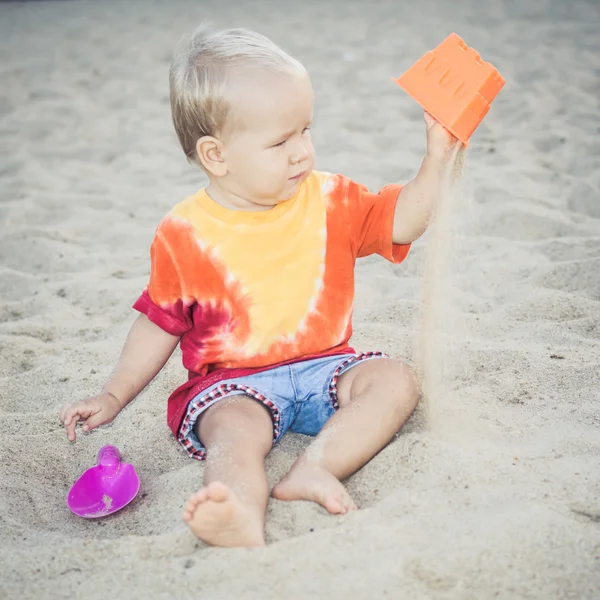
(211, 154)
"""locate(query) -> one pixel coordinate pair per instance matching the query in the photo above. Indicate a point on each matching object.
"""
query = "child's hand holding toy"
(440, 142)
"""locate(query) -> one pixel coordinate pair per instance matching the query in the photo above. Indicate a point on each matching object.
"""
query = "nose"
(301, 152)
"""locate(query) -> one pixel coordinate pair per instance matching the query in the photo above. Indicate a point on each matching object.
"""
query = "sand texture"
(501, 499)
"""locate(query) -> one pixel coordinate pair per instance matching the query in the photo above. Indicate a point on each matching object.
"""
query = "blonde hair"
(201, 69)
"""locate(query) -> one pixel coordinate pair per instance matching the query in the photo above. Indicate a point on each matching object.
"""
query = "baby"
(254, 277)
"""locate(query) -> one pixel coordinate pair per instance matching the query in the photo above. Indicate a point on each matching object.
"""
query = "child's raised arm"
(144, 354)
(418, 198)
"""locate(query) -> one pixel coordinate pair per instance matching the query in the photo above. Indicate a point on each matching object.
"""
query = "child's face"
(269, 153)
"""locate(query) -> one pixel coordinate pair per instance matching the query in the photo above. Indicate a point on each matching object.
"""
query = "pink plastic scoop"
(105, 488)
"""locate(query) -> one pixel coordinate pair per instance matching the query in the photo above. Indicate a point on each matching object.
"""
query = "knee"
(404, 391)
(407, 378)
(398, 383)
(234, 417)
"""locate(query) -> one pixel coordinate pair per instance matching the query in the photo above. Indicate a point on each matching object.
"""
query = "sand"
(503, 502)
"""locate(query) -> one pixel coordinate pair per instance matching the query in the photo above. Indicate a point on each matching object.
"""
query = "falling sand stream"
(440, 328)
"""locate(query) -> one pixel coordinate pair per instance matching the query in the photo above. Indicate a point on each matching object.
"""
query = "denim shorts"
(301, 397)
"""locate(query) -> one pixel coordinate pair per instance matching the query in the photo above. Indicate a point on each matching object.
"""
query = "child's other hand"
(94, 411)
(440, 142)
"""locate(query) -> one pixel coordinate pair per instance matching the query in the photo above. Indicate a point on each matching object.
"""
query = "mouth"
(296, 177)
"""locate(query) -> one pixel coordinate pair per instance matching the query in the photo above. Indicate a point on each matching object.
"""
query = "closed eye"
(282, 143)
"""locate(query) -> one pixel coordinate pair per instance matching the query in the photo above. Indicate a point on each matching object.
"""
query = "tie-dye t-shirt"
(250, 290)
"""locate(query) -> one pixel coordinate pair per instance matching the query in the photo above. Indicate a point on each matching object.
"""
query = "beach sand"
(502, 499)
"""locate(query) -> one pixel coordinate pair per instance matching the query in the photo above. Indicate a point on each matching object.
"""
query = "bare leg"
(230, 509)
(376, 398)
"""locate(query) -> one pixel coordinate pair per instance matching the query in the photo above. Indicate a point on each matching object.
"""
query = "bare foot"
(307, 481)
(216, 515)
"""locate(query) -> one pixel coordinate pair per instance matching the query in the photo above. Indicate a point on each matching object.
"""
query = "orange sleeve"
(164, 286)
(371, 219)
(162, 301)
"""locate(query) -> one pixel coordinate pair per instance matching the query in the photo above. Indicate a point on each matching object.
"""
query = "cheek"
(279, 162)
(268, 167)
(256, 163)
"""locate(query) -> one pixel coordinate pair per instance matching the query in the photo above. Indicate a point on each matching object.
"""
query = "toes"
(218, 492)
(344, 504)
(199, 497)
(334, 506)
(350, 505)
(189, 507)
(188, 512)
(193, 501)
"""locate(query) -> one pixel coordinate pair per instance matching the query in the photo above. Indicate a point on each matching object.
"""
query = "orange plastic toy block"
(454, 85)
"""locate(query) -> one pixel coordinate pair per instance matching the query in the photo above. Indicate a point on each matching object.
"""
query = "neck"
(232, 201)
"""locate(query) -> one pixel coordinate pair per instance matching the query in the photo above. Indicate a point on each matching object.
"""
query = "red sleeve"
(371, 219)
(162, 301)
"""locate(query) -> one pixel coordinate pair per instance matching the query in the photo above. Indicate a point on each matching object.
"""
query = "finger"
(70, 428)
(75, 410)
(73, 415)
(65, 410)
(94, 421)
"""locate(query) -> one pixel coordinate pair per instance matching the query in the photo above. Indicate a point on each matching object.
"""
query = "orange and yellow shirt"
(247, 291)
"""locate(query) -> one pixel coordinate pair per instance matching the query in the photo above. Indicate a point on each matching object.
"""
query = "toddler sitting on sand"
(254, 277)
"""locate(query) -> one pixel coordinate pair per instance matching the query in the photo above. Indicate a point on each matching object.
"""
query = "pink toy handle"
(109, 458)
